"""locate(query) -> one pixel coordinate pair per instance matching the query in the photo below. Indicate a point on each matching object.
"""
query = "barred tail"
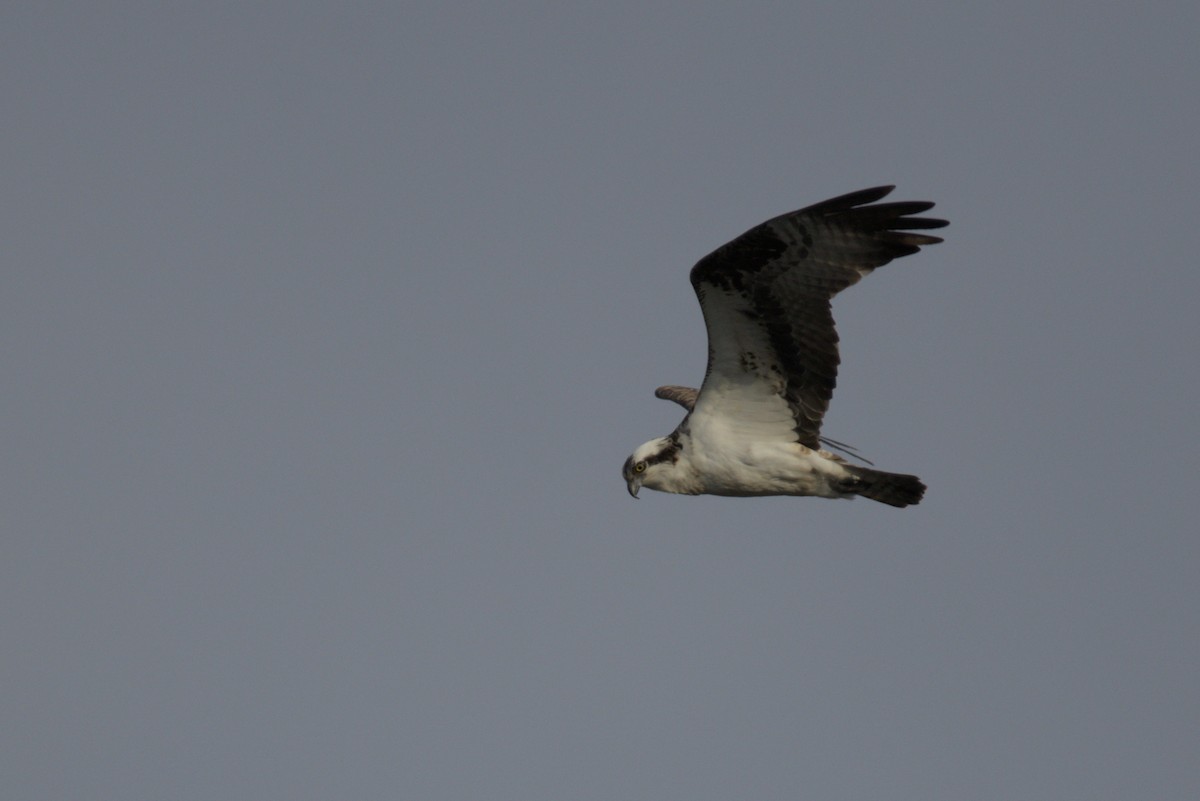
(894, 489)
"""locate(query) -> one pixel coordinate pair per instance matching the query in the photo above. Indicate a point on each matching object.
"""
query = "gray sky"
(327, 328)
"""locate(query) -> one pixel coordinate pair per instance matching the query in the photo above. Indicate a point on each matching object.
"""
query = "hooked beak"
(634, 484)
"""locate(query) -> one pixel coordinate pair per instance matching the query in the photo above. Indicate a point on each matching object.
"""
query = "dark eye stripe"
(667, 454)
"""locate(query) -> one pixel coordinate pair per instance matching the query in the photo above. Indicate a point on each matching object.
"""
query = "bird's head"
(650, 464)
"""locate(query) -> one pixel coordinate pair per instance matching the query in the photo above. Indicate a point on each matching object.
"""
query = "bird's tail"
(894, 489)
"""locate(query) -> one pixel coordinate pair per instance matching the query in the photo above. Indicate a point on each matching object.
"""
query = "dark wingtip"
(896, 220)
(850, 200)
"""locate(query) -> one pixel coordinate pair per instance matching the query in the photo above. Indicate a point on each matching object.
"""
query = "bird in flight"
(754, 426)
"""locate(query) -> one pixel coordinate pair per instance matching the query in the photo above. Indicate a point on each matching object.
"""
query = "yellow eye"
(640, 467)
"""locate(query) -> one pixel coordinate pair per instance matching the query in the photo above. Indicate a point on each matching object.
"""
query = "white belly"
(757, 468)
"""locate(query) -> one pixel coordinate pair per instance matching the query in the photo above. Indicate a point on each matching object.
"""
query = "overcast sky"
(326, 329)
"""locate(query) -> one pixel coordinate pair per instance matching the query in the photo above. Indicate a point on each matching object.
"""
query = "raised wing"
(772, 346)
(684, 396)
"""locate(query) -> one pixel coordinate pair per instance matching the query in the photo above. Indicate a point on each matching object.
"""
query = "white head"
(651, 465)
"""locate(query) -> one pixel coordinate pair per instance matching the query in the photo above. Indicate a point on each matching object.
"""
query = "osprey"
(754, 426)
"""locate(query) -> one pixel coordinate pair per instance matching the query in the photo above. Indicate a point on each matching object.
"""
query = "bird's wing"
(772, 347)
(684, 396)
